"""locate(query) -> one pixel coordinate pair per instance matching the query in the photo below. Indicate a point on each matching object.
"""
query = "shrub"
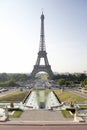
(71, 104)
(11, 104)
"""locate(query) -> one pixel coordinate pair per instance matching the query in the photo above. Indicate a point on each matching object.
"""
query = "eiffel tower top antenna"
(42, 10)
(42, 36)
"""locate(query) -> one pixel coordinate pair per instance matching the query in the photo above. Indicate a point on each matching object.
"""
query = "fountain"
(42, 99)
(31, 101)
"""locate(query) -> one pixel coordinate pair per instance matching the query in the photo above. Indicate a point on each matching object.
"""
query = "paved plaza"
(42, 115)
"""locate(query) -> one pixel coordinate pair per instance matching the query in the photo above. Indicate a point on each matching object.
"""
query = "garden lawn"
(67, 96)
(17, 96)
(16, 114)
(66, 114)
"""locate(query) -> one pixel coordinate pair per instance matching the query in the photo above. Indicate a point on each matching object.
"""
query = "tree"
(69, 83)
(84, 83)
(81, 77)
(61, 82)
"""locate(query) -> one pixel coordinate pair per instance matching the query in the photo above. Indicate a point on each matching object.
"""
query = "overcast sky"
(65, 34)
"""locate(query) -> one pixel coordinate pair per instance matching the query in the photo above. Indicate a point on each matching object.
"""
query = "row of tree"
(71, 79)
(63, 79)
(9, 83)
(16, 77)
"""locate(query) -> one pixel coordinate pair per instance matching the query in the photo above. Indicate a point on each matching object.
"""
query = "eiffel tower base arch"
(40, 68)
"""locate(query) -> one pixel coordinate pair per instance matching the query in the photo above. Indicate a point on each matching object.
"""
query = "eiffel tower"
(42, 54)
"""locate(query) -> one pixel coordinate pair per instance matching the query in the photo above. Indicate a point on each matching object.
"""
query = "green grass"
(16, 114)
(67, 96)
(17, 96)
(66, 114)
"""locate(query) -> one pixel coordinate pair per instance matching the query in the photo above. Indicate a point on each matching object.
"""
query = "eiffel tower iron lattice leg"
(42, 54)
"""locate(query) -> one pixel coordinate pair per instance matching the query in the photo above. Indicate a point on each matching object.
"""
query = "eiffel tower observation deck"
(42, 54)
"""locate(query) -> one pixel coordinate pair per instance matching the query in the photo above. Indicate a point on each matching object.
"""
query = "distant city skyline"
(65, 34)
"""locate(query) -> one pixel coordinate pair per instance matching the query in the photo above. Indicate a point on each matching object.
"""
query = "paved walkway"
(84, 95)
(43, 127)
(42, 115)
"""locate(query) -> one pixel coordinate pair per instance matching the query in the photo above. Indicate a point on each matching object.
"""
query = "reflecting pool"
(42, 99)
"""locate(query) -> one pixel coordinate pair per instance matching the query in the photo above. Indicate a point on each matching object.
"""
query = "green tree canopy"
(61, 82)
(8, 83)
